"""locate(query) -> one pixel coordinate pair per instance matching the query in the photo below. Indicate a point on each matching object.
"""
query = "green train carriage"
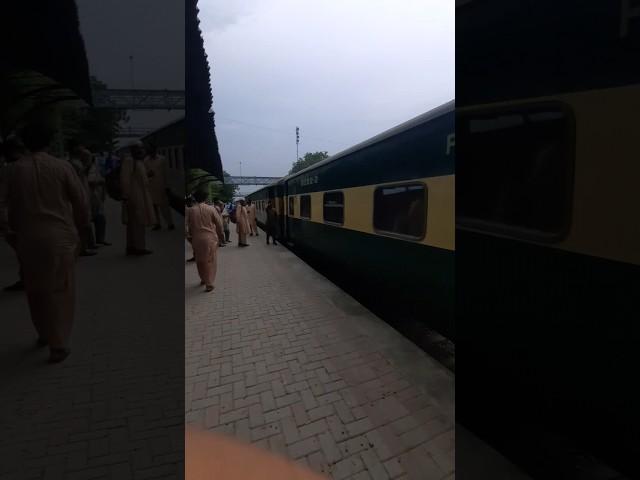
(382, 214)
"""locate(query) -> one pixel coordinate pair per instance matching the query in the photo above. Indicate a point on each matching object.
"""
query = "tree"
(308, 160)
(198, 179)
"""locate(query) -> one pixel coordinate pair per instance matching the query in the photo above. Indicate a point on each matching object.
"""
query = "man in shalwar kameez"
(98, 197)
(205, 230)
(137, 205)
(47, 208)
(242, 223)
(158, 170)
(81, 158)
(251, 210)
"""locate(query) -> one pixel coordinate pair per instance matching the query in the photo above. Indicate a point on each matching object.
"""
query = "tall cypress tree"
(201, 143)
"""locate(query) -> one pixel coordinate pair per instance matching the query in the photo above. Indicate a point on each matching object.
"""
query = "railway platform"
(280, 357)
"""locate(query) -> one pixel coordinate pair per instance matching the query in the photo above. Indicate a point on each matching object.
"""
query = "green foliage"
(198, 179)
(24, 94)
(308, 160)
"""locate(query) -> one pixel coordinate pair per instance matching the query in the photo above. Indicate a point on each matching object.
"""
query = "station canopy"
(41, 41)
(202, 146)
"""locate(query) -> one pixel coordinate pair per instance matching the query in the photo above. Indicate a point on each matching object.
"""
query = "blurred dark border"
(547, 341)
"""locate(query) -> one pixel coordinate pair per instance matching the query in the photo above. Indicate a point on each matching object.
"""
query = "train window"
(292, 212)
(514, 171)
(401, 210)
(333, 207)
(305, 206)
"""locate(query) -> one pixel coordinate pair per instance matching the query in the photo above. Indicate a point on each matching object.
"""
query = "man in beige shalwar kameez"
(251, 210)
(47, 208)
(137, 204)
(81, 158)
(242, 223)
(205, 231)
(158, 170)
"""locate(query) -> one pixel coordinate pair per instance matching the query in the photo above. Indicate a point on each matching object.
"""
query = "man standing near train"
(272, 223)
(242, 223)
(251, 210)
(158, 171)
(137, 204)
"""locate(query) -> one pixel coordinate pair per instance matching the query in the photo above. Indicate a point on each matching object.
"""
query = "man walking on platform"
(47, 208)
(251, 210)
(137, 205)
(158, 170)
(242, 223)
(204, 228)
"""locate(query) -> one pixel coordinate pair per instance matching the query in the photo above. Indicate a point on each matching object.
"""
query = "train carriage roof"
(419, 120)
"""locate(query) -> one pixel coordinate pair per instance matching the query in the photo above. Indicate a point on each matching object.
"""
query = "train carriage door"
(281, 212)
(281, 217)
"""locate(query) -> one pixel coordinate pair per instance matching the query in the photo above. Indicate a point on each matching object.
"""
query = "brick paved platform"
(114, 409)
(279, 356)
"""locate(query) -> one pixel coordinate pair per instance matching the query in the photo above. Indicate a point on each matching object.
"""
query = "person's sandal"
(208, 288)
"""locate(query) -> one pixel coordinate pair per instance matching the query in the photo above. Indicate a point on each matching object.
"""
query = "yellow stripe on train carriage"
(604, 206)
(358, 210)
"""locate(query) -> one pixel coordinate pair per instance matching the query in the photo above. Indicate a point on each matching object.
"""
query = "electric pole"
(297, 141)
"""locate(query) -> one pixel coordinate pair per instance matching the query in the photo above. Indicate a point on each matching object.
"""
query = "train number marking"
(309, 180)
(451, 142)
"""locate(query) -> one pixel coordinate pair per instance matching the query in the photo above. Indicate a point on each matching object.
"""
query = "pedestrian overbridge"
(250, 180)
(139, 99)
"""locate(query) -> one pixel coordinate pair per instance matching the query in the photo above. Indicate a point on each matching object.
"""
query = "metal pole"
(297, 141)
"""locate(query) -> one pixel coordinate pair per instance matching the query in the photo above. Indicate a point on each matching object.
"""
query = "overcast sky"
(341, 70)
(150, 30)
